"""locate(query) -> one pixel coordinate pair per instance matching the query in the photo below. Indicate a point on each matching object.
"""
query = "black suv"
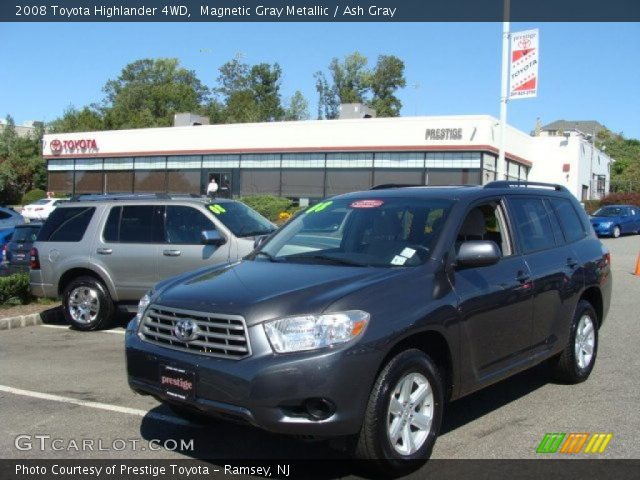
(364, 315)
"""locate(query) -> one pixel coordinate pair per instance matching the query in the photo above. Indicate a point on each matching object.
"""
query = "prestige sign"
(523, 72)
(443, 134)
(72, 146)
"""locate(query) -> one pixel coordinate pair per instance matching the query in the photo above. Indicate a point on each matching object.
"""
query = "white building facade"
(309, 160)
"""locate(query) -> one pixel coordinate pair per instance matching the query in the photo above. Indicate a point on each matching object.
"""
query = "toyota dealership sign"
(82, 145)
(523, 73)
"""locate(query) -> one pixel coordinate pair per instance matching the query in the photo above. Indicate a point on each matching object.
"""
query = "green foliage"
(21, 165)
(386, 78)
(268, 205)
(33, 195)
(297, 108)
(14, 289)
(353, 82)
(149, 92)
(625, 171)
(89, 119)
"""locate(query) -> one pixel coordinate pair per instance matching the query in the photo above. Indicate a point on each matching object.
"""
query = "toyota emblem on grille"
(186, 330)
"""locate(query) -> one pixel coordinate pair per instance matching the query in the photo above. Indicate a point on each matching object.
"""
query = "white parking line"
(96, 405)
(119, 332)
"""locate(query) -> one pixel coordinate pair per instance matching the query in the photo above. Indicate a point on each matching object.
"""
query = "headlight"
(606, 224)
(142, 307)
(309, 332)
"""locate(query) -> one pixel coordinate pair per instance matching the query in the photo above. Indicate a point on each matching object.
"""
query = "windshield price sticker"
(366, 204)
(217, 209)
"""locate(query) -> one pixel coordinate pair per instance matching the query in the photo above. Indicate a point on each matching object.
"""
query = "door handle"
(523, 277)
(571, 263)
(104, 251)
(171, 253)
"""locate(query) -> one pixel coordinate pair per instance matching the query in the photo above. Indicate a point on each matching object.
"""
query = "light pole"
(504, 91)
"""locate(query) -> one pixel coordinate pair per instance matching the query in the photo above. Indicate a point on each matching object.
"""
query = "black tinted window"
(531, 222)
(66, 224)
(4, 215)
(571, 225)
(184, 225)
(133, 224)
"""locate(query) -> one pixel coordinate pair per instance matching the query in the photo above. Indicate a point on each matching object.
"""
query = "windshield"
(385, 232)
(608, 212)
(241, 220)
(26, 234)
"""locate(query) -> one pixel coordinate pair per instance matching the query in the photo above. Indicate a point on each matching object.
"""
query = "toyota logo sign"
(186, 330)
(56, 145)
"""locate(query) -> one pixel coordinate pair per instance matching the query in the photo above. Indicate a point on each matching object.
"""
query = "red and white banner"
(523, 72)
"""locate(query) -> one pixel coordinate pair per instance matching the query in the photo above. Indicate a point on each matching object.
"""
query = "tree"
(233, 77)
(149, 92)
(297, 108)
(73, 120)
(350, 78)
(385, 80)
(625, 171)
(328, 101)
(264, 82)
(21, 165)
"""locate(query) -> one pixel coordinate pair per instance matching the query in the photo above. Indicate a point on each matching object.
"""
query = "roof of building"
(584, 126)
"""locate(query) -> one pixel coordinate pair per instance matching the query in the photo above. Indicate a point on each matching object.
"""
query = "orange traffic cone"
(637, 272)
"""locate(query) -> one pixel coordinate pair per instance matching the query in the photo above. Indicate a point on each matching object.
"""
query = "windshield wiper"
(319, 256)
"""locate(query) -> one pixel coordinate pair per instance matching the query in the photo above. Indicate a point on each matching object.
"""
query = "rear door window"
(532, 224)
(570, 222)
(134, 224)
(66, 224)
(184, 225)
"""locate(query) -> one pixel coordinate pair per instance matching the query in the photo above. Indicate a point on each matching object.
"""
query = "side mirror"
(212, 237)
(257, 243)
(478, 253)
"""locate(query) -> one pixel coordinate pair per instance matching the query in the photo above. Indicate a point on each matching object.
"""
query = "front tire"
(575, 363)
(87, 304)
(403, 415)
(616, 232)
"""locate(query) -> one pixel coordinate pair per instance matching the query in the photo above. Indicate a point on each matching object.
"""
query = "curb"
(11, 323)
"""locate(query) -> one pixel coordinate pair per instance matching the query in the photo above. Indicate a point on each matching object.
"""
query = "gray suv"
(102, 254)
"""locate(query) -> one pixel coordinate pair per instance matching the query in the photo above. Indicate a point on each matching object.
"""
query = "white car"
(41, 209)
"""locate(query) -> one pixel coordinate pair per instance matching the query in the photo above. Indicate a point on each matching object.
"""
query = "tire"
(616, 232)
(374, 442)
(87, 304)
(574, 365)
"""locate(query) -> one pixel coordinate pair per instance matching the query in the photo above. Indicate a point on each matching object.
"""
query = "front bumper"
(603, 230)
(266, 390)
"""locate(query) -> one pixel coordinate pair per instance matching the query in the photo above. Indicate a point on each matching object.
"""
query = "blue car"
(615, 220)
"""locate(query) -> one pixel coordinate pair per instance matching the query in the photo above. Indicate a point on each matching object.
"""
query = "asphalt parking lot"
(72, 385)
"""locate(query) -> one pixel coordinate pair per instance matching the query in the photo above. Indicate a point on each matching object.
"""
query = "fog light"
(319, 408)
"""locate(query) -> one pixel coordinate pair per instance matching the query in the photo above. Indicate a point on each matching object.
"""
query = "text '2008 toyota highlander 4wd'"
(109, 250)
(365, 314)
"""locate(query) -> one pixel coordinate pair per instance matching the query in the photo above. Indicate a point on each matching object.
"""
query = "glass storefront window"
(118, 182)
(149, 181)
(344, 180)
(398, 176)
(61, 182)
(89, 182)
(303, 183)
(444, 176)
(258, 182)
(187, 181)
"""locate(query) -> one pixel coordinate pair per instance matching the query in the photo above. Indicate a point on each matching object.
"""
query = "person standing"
(212, 188)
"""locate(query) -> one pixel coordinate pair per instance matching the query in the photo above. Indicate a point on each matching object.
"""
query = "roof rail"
(94, 197)
(386, 186)
(517, 183)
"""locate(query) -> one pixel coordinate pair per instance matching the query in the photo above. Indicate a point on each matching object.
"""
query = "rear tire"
(87, 304)
(575, 363)
(404, 414)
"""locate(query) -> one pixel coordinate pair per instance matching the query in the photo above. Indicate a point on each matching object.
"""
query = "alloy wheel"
(585, 342)
(410, 413)
(84, 304)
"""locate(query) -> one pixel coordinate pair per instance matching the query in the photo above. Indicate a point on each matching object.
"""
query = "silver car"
(104, 254)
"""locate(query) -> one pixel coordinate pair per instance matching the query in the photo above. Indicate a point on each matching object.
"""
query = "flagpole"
(504, 95)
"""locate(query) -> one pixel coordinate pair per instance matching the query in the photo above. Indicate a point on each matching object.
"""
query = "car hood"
(260, 291)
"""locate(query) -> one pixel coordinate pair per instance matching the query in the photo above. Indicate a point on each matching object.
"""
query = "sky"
(588, 71)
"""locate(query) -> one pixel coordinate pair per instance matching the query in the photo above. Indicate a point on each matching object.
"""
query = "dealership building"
(309, 160)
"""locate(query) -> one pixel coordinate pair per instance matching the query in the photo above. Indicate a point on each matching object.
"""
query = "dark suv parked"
(364, 315)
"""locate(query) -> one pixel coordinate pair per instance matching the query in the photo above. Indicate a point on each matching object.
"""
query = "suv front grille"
(218, 335)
